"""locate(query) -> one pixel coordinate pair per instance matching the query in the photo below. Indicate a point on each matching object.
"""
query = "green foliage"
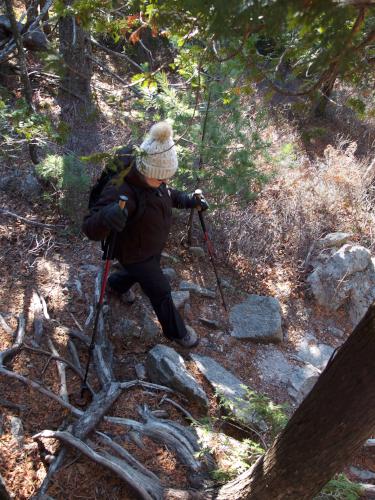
(340, 488)
(313, 133)
(234, 456)
(232, 144)
(357, 105)
(19, 126)
(66, 175)
(260, 407)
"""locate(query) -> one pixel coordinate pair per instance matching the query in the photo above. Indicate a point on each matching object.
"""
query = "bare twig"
(179, 407)
(62, 372)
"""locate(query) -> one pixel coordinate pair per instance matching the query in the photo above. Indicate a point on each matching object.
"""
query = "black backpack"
(115, 172)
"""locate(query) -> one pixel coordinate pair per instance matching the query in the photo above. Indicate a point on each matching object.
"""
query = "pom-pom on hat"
(159, 157)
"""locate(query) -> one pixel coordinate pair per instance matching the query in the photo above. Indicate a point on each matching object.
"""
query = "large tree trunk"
(75, 46)
(327, 429)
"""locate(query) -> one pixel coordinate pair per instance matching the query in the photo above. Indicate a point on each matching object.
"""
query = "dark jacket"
(147, 235)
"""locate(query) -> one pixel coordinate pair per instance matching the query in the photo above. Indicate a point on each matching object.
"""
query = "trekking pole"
(198, 195)
(108, 256)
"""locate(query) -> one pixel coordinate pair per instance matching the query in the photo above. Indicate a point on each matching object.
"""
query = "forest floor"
(56, 264)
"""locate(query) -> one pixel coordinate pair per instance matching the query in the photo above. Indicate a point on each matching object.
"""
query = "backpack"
(115, 172)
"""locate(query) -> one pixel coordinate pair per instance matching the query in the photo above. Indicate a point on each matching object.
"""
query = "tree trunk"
(75, 47)
(326, 91)
(27, 90)
(327, 429)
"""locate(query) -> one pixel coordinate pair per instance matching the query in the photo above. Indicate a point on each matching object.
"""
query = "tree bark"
(75, 47)
(327, 429)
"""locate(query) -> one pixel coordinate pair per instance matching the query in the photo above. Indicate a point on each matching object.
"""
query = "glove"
(114, 217)
(201, 203)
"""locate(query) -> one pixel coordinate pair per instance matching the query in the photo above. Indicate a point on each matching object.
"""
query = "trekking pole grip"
(122, 201)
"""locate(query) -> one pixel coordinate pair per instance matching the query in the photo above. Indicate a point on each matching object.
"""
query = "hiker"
(141, 237)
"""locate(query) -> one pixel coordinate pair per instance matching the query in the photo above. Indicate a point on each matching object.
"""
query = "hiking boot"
(190, 340)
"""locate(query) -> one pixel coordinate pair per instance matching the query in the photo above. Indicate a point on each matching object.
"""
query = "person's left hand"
(201, 203)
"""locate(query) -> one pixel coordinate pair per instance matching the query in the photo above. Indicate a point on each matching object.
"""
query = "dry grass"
(303, 203)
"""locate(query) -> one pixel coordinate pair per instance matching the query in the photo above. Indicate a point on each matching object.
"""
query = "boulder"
(348, 276)
(258, 318)
(230, 389)
(277, 369)
(165, 366)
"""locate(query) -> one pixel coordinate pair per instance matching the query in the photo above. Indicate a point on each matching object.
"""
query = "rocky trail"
(148, 390)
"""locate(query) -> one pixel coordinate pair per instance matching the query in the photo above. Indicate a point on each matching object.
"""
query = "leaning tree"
(327, 429)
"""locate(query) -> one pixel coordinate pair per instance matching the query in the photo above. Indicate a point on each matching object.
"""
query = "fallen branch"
(148, 491)
(116, 54)
(54, 227)
(13, 406)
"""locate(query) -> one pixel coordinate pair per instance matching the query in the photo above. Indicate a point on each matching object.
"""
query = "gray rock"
(258, 318)
(329, 282)
(127, 328)
(180, 298)
(165, 366)
(35, 40)
(311, 351)
(197, 252)
(361, 474)
(336, 332)
(334, 240)
(230, 388)
(306, 387)
(170, 273)
(226, 283)
(276, 369)
(169, 257)
(140, 371)
(28, 187)
(196, 289)
(16, 429)
(347, 277)
(150, 329)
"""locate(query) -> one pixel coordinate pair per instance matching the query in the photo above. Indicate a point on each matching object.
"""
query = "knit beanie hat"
(159, 159)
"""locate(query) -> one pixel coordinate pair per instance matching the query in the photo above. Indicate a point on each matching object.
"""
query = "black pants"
(157, 288)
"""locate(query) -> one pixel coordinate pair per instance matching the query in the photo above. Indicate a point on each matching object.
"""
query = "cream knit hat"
(159, 160)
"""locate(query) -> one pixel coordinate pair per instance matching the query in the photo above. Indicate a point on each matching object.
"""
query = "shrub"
(66, 175)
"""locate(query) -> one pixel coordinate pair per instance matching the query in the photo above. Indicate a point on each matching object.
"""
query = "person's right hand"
(114, 217)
